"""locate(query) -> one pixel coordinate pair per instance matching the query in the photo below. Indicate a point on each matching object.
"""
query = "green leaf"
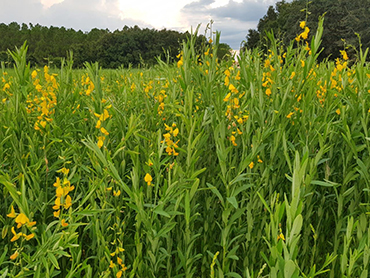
(53, 260)
(289, 269)
(166, 229)
(233, 201)
(215, 191)
(159, 210)
(233, 274)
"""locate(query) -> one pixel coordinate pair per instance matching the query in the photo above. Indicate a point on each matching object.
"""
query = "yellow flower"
(175, 132)
(57, 183)
(31, 224)
(59, 191)
(6, 86)
(180, 63)
(64, 223)
(57, 203)
(30, 236)
(16, 236)
(21, 219)
(148, 179)
(116, 193)
(34, 74)
(112, 264)
(68, 202)
(290, 115)
(98, 124)
(14, 256)
(119, 274)
(232, 139)
(104, 131)
(12, 213)
(292, 75)
(337, 111)
(344, 55)
(57, 213)
(281, 236)
(302, 24)
(259, 159)
(227, 97)
(101, 141)
(251, 165)
(268, 92)
(65, 171)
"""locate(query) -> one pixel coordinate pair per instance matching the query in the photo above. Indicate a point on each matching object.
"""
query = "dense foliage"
(343, 19)
(130, 46)
(197, 168)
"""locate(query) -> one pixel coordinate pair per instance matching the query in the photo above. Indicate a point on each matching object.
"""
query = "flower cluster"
(304, 34)
(44, 99)
(87, 84)
(233, 111)
(21, 220)
(63, 199)
(5, 87)
(180, 62)
(119, 260)
(267, 81)
(100, 124)
(173, 131)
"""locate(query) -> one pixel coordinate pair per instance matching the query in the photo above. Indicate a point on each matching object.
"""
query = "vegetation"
(130, 46)
(194, 168)
(344, 21)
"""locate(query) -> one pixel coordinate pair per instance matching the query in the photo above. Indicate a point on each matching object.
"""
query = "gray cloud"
(233, 19)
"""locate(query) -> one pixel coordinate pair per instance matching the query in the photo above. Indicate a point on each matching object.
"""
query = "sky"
(232, 18)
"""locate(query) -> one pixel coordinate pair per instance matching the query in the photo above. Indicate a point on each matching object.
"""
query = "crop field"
(201, 168)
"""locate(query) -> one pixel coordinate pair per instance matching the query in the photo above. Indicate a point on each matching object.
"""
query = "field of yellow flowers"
(203, 168)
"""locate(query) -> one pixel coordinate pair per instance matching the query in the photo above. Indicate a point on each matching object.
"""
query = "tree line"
(131, 46)
(345, 24)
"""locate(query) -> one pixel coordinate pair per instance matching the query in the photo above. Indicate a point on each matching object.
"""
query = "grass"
(198, 169)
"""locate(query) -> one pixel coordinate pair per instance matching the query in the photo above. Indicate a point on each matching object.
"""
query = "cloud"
(232, 18)
(80, 15)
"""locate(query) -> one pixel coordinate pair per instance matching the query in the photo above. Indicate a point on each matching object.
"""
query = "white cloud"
(232, 17)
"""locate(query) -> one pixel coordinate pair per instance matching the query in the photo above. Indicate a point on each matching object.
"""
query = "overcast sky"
(232, 17)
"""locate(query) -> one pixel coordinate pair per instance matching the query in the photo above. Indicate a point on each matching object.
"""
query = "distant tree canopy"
(343, 19)
(129, 46)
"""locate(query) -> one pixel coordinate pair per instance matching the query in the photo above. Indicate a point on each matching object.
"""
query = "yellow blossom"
(290, 115)
(21, 219)
(12, 213)
(14, 256)
(116, 193)
(251, 165)
(101, 141)
(34, 74)
(104, 131)
(268, 92)
(68, 202)
(56, 213)
(64, 223)
(30, 236)
(148, 179)
(281, 236)
(16, 235)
